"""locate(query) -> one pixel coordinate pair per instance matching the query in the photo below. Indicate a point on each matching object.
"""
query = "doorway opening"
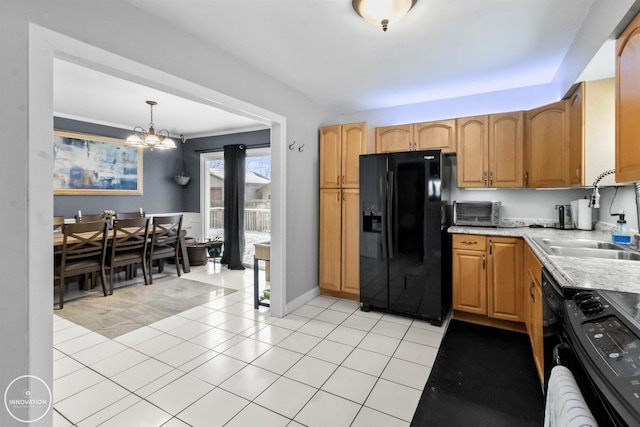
(257, 201)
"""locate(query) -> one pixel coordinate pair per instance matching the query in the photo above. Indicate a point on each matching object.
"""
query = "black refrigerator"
(405, 250)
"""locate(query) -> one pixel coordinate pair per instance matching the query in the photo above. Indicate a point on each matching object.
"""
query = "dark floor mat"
(482, 376)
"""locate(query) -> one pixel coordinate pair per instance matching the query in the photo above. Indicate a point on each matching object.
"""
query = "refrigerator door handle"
(389, 234)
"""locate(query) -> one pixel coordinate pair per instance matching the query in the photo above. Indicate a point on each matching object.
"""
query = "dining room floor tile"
(220, 362)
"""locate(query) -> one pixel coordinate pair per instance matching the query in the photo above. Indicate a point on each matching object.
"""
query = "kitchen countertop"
(588, 273)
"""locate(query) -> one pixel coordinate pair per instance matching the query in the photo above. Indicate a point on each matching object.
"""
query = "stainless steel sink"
(586, 248)
(578, 243)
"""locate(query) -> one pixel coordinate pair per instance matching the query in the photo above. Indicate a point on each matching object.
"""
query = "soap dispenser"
(621, 234)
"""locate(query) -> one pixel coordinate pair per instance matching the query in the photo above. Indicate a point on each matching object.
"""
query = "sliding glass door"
(257, 220)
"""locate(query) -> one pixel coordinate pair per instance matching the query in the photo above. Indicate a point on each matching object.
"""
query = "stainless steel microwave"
(476, 213)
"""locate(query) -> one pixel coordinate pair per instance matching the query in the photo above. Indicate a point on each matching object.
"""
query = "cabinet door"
(576, 136)
(473, 152)
(537, 335)
(547, 147)
(330, 154)
(330, 239)
(351, 242)
(506, 150)
(470, 281)
(394, 138)
(628, 103)
(353, 144)
(505, 275)
(437, 135)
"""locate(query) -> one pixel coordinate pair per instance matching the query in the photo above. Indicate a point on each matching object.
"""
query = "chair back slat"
(84, 240)
(129, 235)
(130, 215)
(58, 221)
(166, 229)
(89, 218)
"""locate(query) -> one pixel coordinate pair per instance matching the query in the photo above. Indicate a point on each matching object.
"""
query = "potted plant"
(108, 215)
(214, 246)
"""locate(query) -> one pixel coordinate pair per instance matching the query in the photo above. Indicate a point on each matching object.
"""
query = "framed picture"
(95, 165)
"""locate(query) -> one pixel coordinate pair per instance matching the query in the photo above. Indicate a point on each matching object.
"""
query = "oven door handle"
(556, 352)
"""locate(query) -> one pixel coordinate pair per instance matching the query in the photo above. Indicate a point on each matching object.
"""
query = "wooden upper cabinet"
(490, 150)
(394, 138)
(437, 135)
(473, 151)
(628, 103)
(340, 148)
(576, 108)
(547, 146)
(330, 156)
(353, 144)
(506, 150)
(434, 135)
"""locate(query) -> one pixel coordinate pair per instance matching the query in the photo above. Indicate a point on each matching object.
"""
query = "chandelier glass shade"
(382, 13)
(151, 138)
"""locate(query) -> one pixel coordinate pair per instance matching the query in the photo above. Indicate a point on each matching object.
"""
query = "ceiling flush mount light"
(151, 138)
(382, 13)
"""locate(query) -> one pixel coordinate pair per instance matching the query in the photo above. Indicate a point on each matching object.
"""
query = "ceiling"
(323, 49)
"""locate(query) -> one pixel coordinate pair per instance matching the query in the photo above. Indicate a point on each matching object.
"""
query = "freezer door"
(373, 230)
(415, 239)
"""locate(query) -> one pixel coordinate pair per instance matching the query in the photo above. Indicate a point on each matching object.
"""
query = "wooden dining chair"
(129, 215)
(89, 218)
(165, 242)
(128, 246)
(84, 247)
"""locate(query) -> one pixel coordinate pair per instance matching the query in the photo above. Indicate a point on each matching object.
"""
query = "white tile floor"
(224, 363)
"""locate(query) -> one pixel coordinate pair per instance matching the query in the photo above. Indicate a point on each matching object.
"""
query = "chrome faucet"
(594, 201)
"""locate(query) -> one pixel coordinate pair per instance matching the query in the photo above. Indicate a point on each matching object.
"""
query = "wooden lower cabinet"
(504, 276)
(488, 280)
(533, 303)
(470, 273)
(339, 266)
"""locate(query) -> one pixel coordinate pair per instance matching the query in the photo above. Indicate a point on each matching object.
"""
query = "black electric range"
(602, 329)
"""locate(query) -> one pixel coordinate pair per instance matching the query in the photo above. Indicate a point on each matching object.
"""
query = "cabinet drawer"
(469, 241)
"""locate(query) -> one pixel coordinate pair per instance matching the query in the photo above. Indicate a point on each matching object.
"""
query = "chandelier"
(151, 138)
(382, 13)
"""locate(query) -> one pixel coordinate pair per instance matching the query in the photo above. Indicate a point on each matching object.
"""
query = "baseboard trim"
(301, 300)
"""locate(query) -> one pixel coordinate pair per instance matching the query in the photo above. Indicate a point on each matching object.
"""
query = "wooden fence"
(254, 219)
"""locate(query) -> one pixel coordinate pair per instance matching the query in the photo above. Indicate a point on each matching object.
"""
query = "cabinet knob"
(526, 179)
(467, 242)
(491, 179)
(484, 261)
(533, 296)
(484, 178)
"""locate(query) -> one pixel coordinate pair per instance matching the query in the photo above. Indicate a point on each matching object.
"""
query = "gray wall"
(160, 193)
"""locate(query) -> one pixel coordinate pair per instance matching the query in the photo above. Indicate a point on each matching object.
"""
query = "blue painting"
(90, 164)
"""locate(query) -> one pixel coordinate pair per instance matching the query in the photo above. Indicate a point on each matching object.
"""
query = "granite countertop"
(589, 273)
